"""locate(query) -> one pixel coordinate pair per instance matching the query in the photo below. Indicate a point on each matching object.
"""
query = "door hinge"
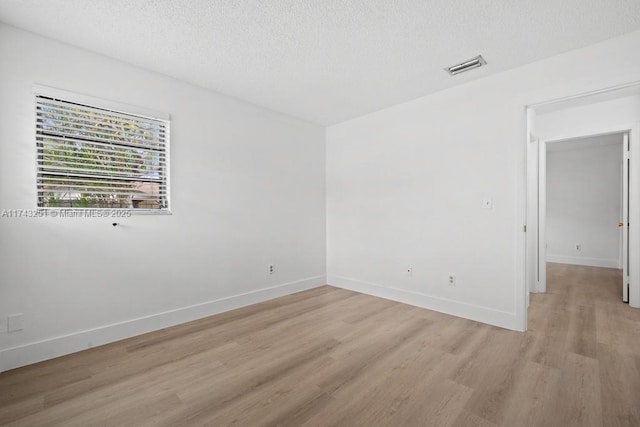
(627, 155)
(525, 228)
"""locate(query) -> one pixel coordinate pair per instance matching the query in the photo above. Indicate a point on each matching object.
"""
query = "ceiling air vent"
(470, 64)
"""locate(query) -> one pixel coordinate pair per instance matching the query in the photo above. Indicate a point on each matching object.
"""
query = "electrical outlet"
(15, 322)
(409, 271)
(452, 279)
(578, 247)
(271, 268)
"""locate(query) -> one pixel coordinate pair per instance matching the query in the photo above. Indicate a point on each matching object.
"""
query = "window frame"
(111, 106)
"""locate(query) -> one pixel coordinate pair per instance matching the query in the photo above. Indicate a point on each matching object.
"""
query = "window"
(92, 156)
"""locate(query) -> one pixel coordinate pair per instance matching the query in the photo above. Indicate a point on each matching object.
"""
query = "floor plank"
(333, 357)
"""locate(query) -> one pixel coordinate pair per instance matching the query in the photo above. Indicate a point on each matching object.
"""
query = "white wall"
(405, 186)
(584, 201)
(248, 189)
(588, 119)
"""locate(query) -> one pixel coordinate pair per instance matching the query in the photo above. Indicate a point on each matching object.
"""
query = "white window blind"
(91, 157)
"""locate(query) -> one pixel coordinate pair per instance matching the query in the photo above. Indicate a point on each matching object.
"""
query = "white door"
(624, 221)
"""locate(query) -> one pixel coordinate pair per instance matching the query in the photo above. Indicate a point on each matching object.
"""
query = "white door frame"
(542, 217)
(541, 285)
(528, 254)
(634, 202)
(526, 246)
(624, 220)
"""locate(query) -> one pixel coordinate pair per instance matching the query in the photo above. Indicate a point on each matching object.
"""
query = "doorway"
(612, 112)
(584, 204)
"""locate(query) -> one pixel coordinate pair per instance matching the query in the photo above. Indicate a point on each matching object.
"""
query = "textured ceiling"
(324, 60)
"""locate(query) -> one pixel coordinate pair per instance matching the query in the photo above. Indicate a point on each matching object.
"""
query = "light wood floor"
(330, 357)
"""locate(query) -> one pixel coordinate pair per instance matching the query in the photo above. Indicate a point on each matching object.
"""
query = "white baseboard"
(27, 354)
(456, 308)
(590, 262)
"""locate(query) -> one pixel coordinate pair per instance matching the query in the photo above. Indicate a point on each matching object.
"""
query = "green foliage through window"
(90, 157)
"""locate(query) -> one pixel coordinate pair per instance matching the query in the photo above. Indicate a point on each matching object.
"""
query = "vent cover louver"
(470, 64)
